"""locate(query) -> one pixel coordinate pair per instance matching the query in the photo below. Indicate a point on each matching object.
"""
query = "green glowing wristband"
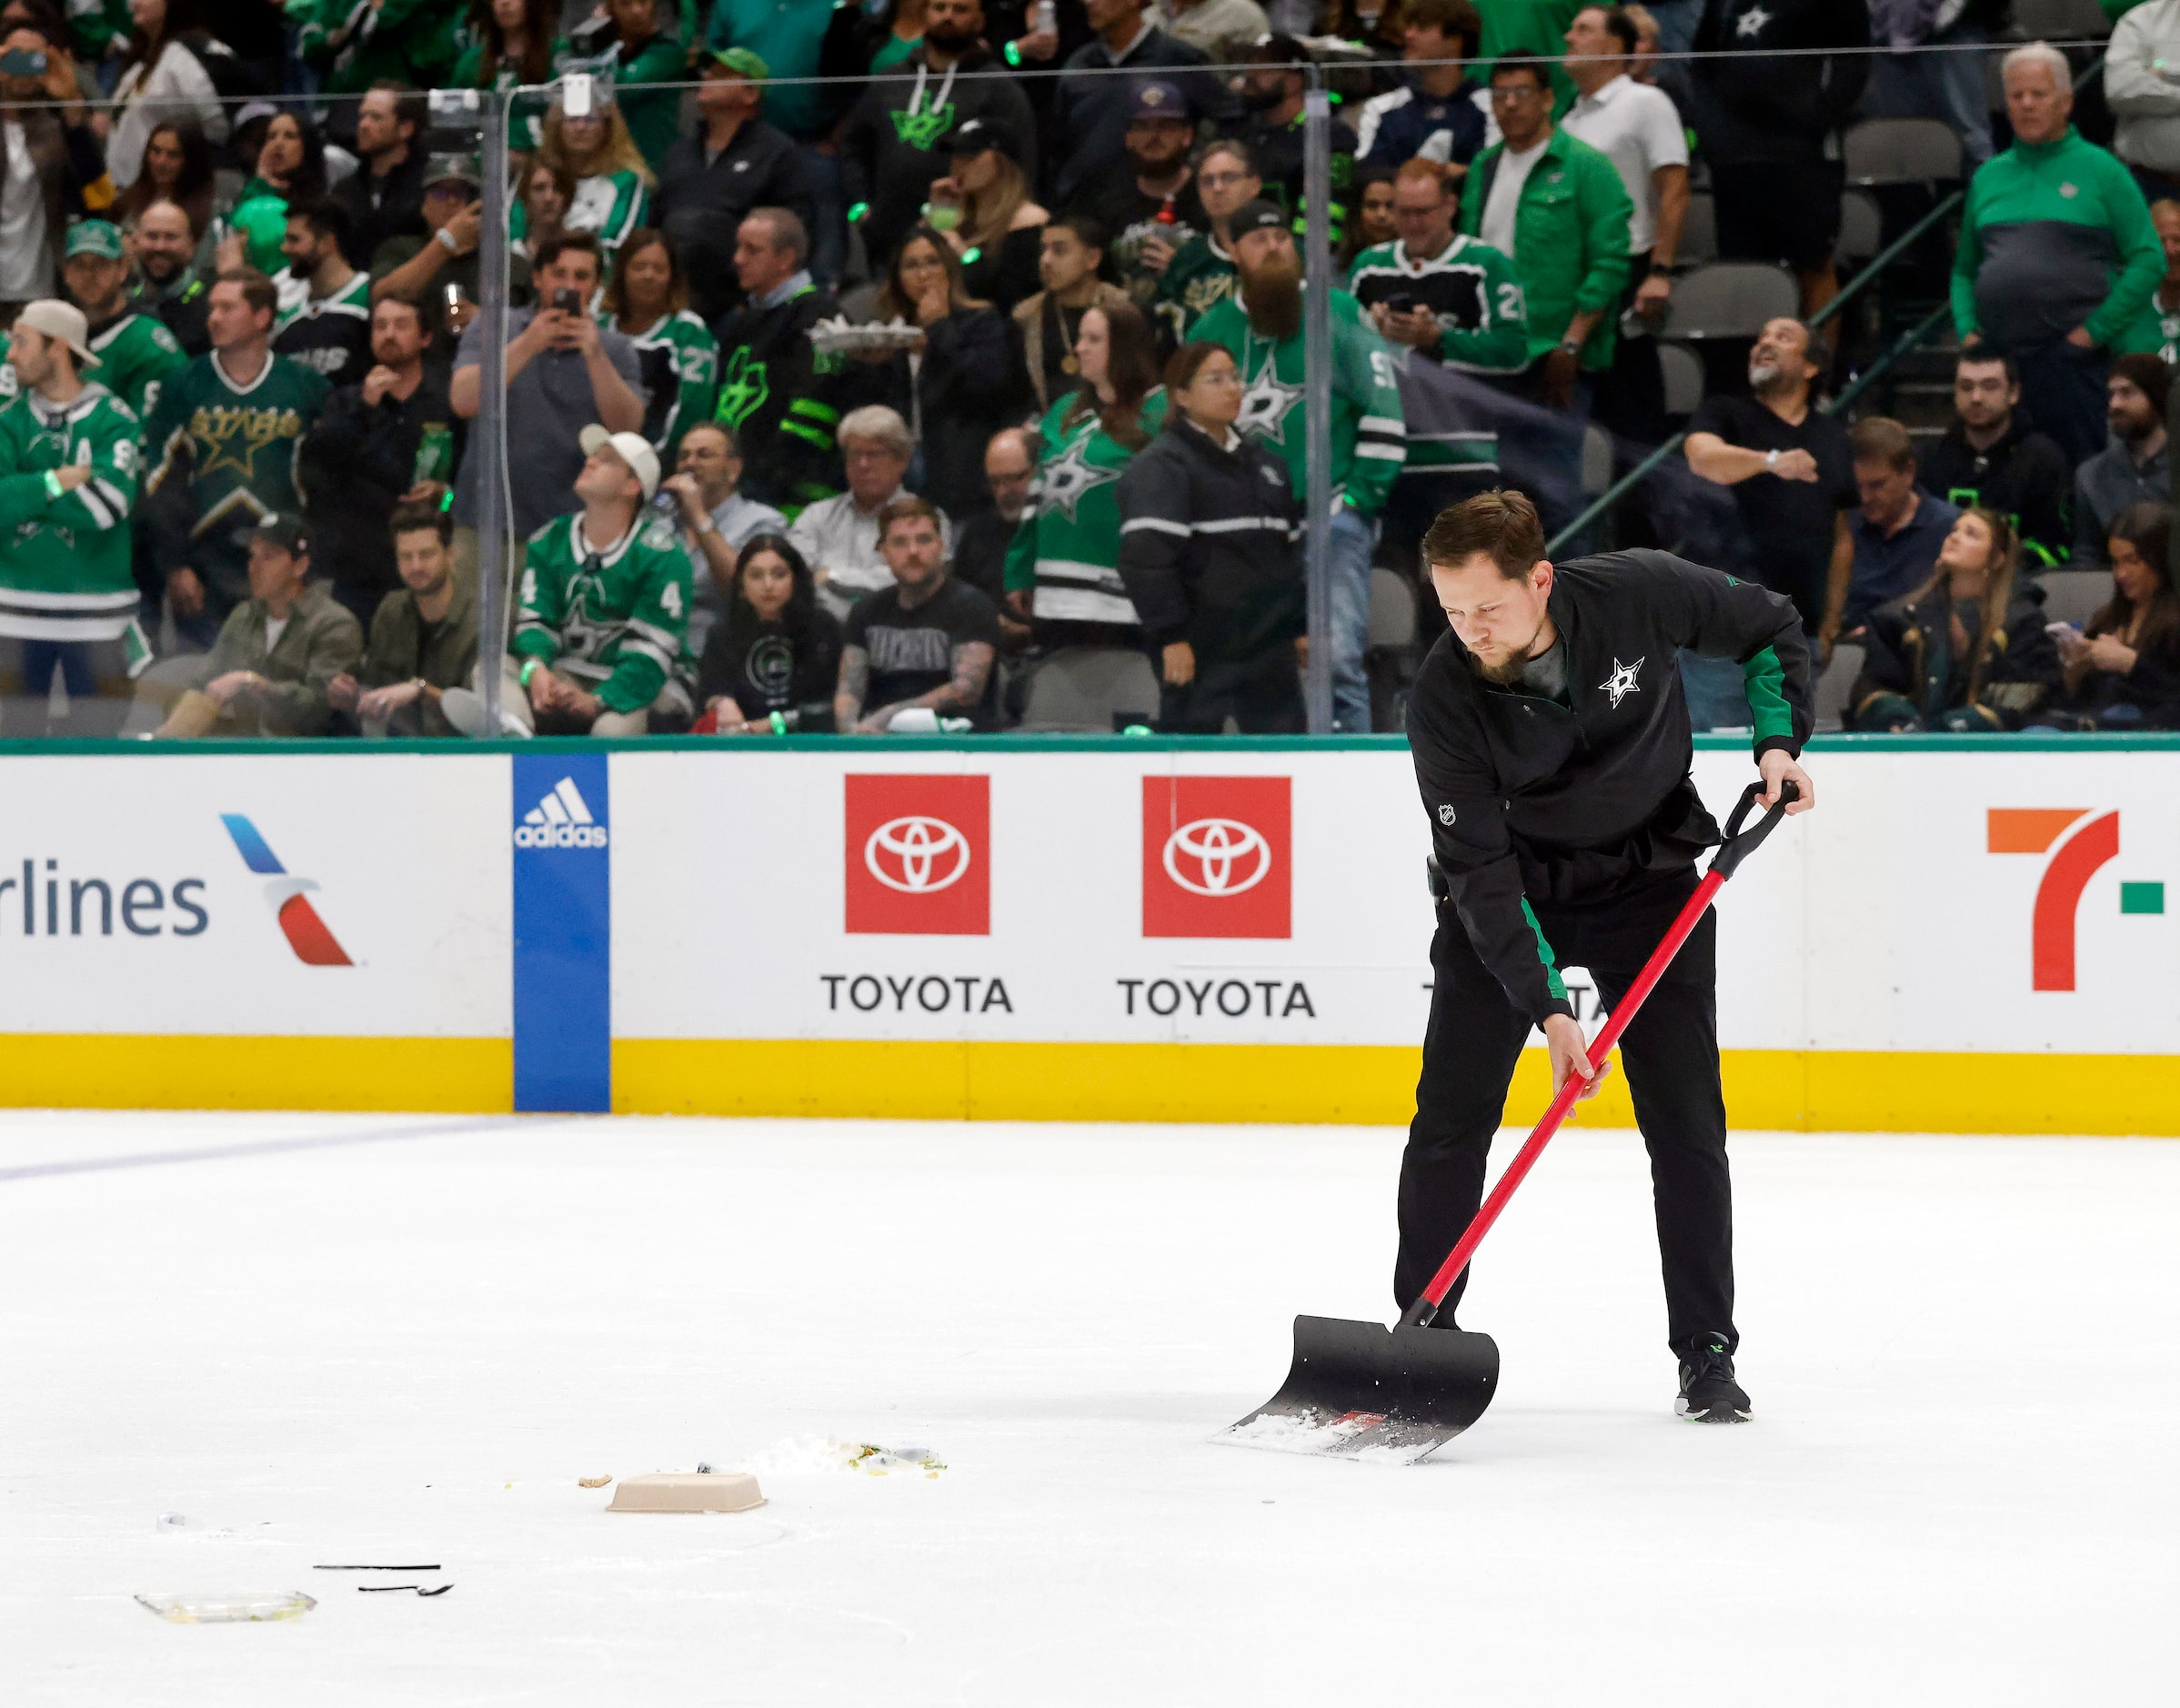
(53, 484)
(529, 669)
(856, 213)
(1013, 55)
(779, 724)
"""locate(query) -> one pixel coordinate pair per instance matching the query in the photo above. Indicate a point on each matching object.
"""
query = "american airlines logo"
(562, 819)
(307, 934)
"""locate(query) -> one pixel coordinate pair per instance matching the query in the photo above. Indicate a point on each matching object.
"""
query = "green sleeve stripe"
(1765, 680)
(817, 411)
(1551, 970)
(822, 441)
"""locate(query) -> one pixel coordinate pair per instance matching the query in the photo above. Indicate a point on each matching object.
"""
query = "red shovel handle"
(1738, 846)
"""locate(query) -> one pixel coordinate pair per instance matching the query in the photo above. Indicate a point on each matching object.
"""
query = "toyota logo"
(917, 855)
(1227, 857)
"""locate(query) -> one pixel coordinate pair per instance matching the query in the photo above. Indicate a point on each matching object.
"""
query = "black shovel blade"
(1361, 1390)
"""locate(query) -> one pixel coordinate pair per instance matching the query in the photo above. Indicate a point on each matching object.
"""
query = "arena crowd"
(939, 365)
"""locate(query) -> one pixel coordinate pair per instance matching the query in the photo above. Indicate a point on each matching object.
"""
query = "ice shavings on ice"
(815, 1455)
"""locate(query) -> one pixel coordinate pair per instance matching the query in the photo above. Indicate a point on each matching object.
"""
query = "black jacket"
(890, 154)
(1568, 802)
(700, 204)
(1093, 101)
(784, 401)
(379, 208)
(1751, 106)
(2025, 476)
(181, 306)
(1908, 653)
(969, 384)
(1210, 545)
(356, 463)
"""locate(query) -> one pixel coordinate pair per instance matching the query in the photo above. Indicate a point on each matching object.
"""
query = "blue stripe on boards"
(563, 934)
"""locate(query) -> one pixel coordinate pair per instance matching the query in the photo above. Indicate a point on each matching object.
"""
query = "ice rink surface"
(368, 1340)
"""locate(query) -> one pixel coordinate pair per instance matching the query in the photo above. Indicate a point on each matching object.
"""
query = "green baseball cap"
(741, 60)
(93, 236)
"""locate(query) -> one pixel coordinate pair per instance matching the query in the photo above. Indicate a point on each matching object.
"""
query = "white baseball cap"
(60, 320)
(632, 449)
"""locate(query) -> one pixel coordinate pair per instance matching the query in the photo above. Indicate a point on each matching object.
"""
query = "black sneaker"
(1709, 1394)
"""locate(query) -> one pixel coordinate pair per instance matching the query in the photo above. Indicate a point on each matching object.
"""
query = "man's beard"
(1761, 378)
(1272, 293)
(1505, 674)
(950, 41)
(2131, 429)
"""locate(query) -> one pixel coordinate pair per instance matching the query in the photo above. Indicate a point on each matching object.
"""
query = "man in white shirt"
(1636, 126)
(837, 536)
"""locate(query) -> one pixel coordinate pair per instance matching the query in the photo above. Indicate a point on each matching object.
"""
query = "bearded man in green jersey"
(136, 354)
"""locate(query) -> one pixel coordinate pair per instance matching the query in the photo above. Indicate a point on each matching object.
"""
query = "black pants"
(1670, 1055)
(1263, 694)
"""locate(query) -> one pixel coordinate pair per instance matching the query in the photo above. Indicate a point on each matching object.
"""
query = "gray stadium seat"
(1861, 226)
(1699, 234)
(1596, 460)
(2073, 596)
(1833, 685)
(1902, 151)
(1082, 688)
(1392, 610)
(1729, 299)
(1683, 371)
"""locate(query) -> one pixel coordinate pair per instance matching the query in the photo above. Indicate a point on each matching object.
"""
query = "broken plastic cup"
(235, 1607)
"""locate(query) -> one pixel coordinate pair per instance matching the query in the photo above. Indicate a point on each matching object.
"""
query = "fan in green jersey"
(1067, 546)
(136, 351)
(647, 302)
(601, 626)
(612, 181)
(222, 445)
(69, 463)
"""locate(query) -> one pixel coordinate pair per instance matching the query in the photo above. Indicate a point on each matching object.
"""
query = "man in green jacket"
(1558, 208)
(2058, 256)
(1261, 324)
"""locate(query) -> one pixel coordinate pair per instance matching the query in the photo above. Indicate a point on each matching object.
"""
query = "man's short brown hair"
(902, 509)
(1878, 438)
(1502, 525)
(1447, 17)
(257, 289)
(413, 516)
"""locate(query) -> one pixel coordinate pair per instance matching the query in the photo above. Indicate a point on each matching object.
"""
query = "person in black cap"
(1272, 103)
(997, 229)
(1149, 209)
(411, 266)
(890, 146)
(1093, 109)
(278, 652)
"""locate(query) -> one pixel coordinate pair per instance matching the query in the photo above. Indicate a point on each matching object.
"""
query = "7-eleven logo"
(2080, 841)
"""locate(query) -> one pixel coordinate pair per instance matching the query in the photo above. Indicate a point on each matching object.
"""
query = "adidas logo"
(561, 820)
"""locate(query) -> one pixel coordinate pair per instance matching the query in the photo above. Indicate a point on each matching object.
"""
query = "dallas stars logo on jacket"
(237, 443)
(616, 619)
(1068, 545)
(65, 573)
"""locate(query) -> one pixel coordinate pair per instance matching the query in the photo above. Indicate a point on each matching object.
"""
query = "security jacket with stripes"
(1574, 800)
(1211, 545)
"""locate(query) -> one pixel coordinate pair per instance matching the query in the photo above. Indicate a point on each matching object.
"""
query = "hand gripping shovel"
(1357, 1389)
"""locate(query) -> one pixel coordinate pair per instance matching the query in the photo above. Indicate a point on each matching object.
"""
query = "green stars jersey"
(1200, 278)
(236, 445)
(1370, 437)
(64, 568)
(610, 205)
(135, 352)
(1471, 288)
(1068, 545)
(614, 620)
(680, 362)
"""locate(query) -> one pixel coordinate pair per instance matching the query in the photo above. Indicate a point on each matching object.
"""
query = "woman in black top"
(1965, 651)
(771, 665)
(1211, 554)
(2122, 672)
(998, 227)
(964, 384)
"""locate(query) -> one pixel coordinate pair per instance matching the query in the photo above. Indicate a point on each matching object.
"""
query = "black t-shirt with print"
(773, 667)
(912, 652)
